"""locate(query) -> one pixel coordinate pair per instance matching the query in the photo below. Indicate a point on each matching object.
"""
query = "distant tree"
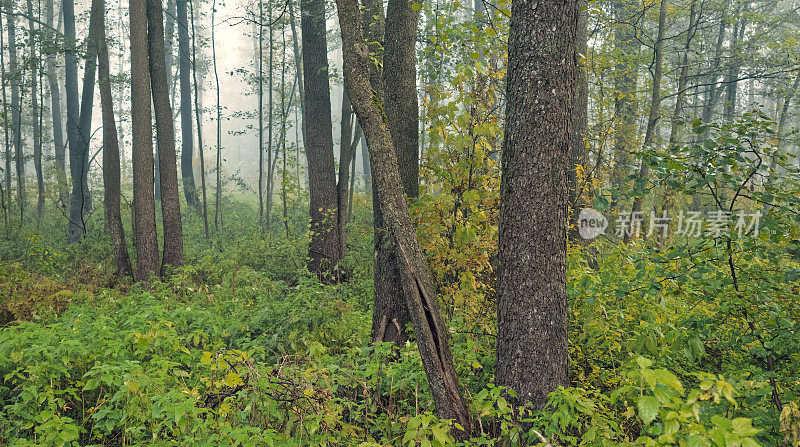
(187, 139)
(16, 122)
(35, 110)
(55, 109)
(532, 273)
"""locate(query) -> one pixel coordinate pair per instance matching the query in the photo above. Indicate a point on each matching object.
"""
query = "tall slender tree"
(111, 161)
(16, 122)
(165, 130)
(55, 109)
(6, 124)
(35, 111)
(198, 120)
(187, 138)
(532, 273)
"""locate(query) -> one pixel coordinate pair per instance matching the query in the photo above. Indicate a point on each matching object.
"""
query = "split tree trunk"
(431, 333)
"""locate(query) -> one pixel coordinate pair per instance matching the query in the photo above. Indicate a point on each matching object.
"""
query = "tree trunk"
(6, 132)
(345, 141)
(298, 62)
(390, 315)
(165, 133)
(531, 289)
(431, 333)
(578, 176)
(111, 162)
(652, 125)
(187, 143)
(198, 120)
(323, 249)
(35, 114)
(626, 105)
(146, 240)
(74, 228)
(261, 112)
(16, 124)
(218, 198)
(55, 108)
(270, 116)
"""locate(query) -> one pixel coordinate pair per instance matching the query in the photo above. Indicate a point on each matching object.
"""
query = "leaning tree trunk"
(431, 333)
(187, 138)
(165, 132)
(323, 247)
(144, 204)
(390, 316)
(16, 124)
(532, 274)
(111, 162)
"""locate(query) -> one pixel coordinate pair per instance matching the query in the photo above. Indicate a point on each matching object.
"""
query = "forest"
(400, 223)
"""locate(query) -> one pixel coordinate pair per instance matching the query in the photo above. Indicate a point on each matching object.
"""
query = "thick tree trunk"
(390, 315)
(146, 240)
(16, 123)
(55, 108)
(165, 132)
(431, 333)
(531, 290)
(323, 247)
(35, 114)
(111, 162)
(187, 138)
(652, 124)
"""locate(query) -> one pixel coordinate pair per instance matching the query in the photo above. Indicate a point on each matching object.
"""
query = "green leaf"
(648, 408)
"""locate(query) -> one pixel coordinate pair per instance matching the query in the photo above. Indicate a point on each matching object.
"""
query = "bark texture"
(431, 333)
(531, 290)
(165, 132)
(111, 162)
(323, 249)
(141, 124)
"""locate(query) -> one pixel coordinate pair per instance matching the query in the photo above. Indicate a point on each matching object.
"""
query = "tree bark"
(111, 162)
(390, 315)
(198, 121)
(431, 333)
(578, 176)
(187, 139)
(146, 240)
(165, 133)
(531, 289)
(323, 247)
(6, 130)
(218, 198)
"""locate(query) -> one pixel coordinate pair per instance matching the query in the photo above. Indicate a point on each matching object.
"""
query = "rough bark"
(146, 240)
(390, 315)
(187, 138)
(323, 247)
(111, 161)
(652, 122)
(531, 290)
(431, 333)
(165, 133)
